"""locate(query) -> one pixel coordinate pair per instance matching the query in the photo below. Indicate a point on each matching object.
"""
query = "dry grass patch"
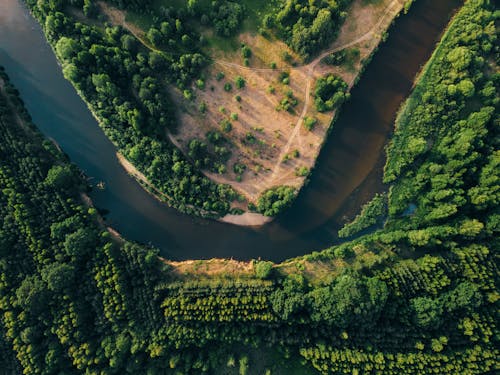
(213, 268)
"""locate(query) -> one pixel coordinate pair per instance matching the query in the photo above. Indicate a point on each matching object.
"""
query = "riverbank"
(250, 219)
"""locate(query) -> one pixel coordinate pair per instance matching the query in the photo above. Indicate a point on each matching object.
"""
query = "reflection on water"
(348, 171)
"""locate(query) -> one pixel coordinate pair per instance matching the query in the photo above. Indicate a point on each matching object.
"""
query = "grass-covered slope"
(417, 297)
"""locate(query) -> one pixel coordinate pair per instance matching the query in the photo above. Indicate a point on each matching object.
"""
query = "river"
(348, 172)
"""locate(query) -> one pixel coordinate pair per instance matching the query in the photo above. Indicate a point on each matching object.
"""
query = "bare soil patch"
(282, 145)
(272, 144)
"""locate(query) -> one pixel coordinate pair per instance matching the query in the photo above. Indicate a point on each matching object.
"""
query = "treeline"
(71, 298)
(124, 84)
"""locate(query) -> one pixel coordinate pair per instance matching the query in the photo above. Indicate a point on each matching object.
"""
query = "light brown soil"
(281, 133)
(270, 161)
(248, 219)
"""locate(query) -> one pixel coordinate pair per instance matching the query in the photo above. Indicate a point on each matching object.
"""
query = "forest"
(417, 296)
(123, 84)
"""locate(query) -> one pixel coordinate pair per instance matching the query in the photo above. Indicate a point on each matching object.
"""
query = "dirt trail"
(117, 17)
(279, 172)
(310, 72)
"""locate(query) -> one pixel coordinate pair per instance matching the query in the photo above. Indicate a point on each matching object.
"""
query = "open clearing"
(271, 145)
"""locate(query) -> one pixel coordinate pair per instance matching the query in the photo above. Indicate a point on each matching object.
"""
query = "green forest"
(419, 295)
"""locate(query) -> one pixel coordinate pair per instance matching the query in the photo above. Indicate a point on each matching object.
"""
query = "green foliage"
(417, 297)
(246, 52)
(239, 168)
(263, 269)
(123, 83)
(220, 76)
(309, 122)
(371, 212)
(329, 93)
(302, 171)
(209, 157)
(239, 82)
(288, 103)
(336, 58)
(226, 16)
(275, 200)
(60, 177)
(226, 125)
(307, 26)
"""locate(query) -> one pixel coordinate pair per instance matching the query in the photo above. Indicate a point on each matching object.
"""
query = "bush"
(220, 76)
(239, 168)
(330, 93)
(246, 52)
(309, 123)
(263, 269)
(275, 200)
(240, 82)
(226, 126)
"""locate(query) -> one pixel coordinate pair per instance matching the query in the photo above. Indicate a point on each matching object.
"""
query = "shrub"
(220, 76)
(226, 126)
(275, 200)
(246, 52)
(263, 269)
(309, 122)
(240, 82)
(330, 92)
(239, 168)
(302, 171)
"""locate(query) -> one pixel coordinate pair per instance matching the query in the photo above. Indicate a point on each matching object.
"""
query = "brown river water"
(348, 172)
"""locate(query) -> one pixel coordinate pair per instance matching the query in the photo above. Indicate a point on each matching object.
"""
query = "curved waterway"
(348, 172)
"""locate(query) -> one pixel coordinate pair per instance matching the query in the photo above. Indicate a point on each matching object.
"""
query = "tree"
(58, 276)
(60, 177)
(80, 243)
(428, 312)
(154, 36)
(67, 48)
(32, 294)
(240, 82)
(263, 269)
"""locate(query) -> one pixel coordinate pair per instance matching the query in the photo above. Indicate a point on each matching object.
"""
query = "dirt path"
(117, 17)
(361, 26)
(310, 73)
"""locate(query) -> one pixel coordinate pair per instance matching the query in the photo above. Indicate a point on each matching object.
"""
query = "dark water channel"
(348, 172)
